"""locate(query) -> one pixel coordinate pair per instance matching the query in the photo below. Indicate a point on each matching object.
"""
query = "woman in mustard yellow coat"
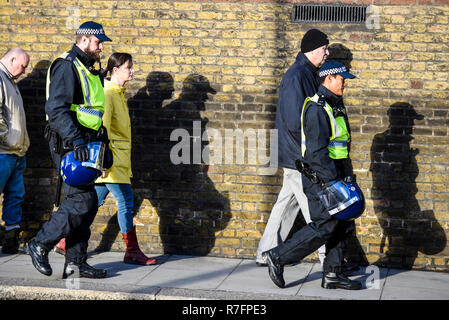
(117, 179)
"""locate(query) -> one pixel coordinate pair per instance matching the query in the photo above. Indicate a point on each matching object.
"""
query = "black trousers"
(322, 230)
(72, 220)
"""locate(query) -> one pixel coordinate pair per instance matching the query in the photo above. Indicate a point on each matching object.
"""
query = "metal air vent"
(329, 13)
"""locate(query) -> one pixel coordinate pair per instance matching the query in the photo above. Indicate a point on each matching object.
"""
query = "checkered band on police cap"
(334, 67)
(92, 28)
(325, 73)
(90, 31)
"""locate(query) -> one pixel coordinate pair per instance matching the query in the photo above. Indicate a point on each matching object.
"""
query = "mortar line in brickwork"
(241, 260)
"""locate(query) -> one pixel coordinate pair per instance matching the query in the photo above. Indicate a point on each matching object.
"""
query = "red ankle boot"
(60, 247)
(133, 254)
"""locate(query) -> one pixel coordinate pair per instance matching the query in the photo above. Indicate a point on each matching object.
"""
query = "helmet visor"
(96, 156)
(337, 197)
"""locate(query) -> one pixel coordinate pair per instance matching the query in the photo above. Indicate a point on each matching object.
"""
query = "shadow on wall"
(341, 53)
(406, 229)
(32, 89)
(190, 210)
(40, 173)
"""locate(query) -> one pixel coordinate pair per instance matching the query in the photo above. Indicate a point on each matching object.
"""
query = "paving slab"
(248, 277)
(191, 272)
(418, 279)
(118, 272)
(20, 266)
(416, 285)
(407, 293)
(372, 282)
(6, 257)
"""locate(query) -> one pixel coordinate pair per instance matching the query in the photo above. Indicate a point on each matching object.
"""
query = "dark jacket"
(65, 90)
(318, 132)
(298, 83)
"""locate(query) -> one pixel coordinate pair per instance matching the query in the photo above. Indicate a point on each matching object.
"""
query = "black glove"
(306, 170)
(102, 135)
(108, 159)
(80, 151)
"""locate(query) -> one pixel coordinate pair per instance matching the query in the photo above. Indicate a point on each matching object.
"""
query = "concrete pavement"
(190, 277)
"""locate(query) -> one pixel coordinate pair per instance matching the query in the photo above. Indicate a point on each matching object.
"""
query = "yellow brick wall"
(243, 49)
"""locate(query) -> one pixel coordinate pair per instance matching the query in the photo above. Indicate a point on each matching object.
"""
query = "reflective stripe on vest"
(338, 141)
(91, 112)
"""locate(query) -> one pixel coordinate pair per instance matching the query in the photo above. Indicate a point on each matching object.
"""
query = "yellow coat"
(117, 122)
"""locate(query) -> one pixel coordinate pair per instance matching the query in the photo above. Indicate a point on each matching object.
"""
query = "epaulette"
(321, 101)
(70, 57)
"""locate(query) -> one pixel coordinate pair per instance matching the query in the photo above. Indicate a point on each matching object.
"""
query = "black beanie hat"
(313, 39)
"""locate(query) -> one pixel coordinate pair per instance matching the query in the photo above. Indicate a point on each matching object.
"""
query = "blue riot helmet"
(76, 173)
(343, 200)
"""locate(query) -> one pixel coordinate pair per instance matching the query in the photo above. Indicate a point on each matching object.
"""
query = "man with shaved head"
(14, 143)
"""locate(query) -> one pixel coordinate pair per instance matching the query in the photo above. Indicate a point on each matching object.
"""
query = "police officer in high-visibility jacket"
(74, 108)
(325, 154)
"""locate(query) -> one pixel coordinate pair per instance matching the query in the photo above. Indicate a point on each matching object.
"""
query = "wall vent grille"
(329, 13)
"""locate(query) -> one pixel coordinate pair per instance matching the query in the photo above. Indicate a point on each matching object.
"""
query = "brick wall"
(398, 113)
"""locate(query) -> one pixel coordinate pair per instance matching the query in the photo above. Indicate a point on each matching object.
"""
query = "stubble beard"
(93, 54)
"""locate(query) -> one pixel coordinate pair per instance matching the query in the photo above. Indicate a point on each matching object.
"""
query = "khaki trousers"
(290, 201)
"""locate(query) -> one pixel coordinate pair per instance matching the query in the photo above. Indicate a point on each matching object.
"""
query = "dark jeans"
(72, 221)
(322, 230)
(12, 187)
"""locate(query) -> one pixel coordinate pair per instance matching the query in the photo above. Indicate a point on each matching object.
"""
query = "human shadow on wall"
(36, 201)
(189, 208)
(193, 211)
(406, 229)
(340, 53)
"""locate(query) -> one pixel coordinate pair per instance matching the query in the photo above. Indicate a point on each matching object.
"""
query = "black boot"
(83, 270)
(348, 269)
(39, 257)
(11, 241)
(275, 269)
(334, 280)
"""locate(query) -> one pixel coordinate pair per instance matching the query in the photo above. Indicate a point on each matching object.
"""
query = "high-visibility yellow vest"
(91, 112)
(339, 139)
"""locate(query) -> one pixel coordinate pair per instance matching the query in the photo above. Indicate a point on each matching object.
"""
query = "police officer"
(74, 108)
(325, 149)
(299, 82)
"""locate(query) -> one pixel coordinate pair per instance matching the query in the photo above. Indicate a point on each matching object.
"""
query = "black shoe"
(275, 270)
(39, 257)
(11, 241)
(334, 280)
(83, 270)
